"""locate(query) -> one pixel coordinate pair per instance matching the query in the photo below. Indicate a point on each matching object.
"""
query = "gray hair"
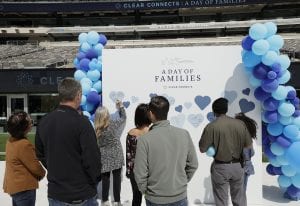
(68, 89)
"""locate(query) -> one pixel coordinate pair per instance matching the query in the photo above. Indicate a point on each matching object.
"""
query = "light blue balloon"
(275, 129)
(250, 59)
(98, 86)
(88, 107)
(258, 31)
(85, 88)
(296, 121)
(93, 64)
(276, 42)
(99, 66)
(93, 75)
(288, 170)
(254, 81)
(260, 47)
(76, 62)
(86, 113)
(271, 28)
(293, 154)
(296, 180)
(93, 89)
(86, 81)
(285, 77)
(92, 37)
(98, 48)
(82, 38)
(284, 61)
(286, 109)
(291, 131)
(274, 162)
(211, 151)
(83, 100)
(79, 74)
(284, 181)
(280, 93)
(85, 47)
(282, 160)
(285, 120)
(269, 58)
(276, 149)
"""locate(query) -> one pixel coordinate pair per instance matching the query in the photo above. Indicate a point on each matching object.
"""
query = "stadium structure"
(38, 39)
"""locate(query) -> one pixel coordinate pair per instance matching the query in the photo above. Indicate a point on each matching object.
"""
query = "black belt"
(227, 162)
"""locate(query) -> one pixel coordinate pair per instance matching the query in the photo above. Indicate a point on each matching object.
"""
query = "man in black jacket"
(66, 145)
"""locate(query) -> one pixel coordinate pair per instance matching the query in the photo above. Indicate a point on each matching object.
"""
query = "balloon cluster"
(267, 71)
(88, 64)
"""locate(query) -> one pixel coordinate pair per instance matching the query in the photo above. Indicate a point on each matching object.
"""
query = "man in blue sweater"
(165, 159)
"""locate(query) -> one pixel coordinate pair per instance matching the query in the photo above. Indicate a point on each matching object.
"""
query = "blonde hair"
(101, 120)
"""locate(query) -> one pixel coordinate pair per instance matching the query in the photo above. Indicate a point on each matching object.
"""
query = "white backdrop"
(191, 78)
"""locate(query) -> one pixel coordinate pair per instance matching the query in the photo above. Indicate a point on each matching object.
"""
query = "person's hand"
(119, 104)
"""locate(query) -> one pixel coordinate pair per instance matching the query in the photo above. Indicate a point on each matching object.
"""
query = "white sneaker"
(106, 203)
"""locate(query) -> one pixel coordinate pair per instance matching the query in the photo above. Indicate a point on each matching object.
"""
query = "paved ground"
(272, 195)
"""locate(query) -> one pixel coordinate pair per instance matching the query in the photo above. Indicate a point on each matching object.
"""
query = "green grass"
(3, 138)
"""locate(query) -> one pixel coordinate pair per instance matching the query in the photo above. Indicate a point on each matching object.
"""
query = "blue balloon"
(292, 155)
(293, 193)
(91, 54)
(271, 28)
(98, 48)
(93, 75)
(284, 61)
(280, 93)
(260, 94)
(86, 81)
(98, 86)
(288, 171)
(276, 67)
(80, 55)
(84, 64)
(271, 75)
(277, 149)
(258, 31)
(260, 71)
(82, 38)
(211, 151)
(285, 77)
(270, 104)
(282, 141)
(269, 85)
(85, 47)
(269, 153)
(92, 37)
(282, 160)
(76, 63)
(285, 120)
(291, 131)
(275, 42)
(93, 98)
(93, 64)
(269, 58)
(269, 169)
(247, 43)
(296, 180)
(250, 59)
(254, 81)
(275, 129)
(260, 47)
(83, 100)
(275, 163)
(297, 113)
(271, 116)
(102, 39)
(284, 181)
(89, 107)
(296, 121)
(79, 74)
(286, 109)
(86, 87)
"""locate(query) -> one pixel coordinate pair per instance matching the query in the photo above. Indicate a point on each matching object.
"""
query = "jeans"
(89, 202)
(25, 198)
(182, 202)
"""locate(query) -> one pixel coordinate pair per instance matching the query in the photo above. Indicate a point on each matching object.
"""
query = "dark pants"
(182, 202)
(89, 202)
(116, 185)
(225, 176)
(25, 198)
(136, 194)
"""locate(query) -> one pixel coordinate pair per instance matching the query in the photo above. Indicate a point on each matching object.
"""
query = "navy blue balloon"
(260, 71)
(282, 141)
(260, 94)
(276, 67)
(247, 43)
(80, 55)
(296, 102)
(91, 54)
(269, 153)
(269, 169)
(269, 85)
(277, 170)
(294, 192)
(102, 39)
(291, 94)
(296, 113)
(272, 138)
(270, 104)
(271, 116)
(93, 98)
(272, 75)
(84, 64)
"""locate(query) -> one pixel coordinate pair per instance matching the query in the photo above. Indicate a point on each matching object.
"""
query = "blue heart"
(246, 106)
(152, 95)
(210, 116)
(178, 108)
(246, 91)
(195, 119)
(202, 102)
(178, 120)
(230, 95)
(126, 104)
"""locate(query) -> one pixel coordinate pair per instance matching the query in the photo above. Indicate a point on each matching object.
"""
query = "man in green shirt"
(165, 159)
(228, 136)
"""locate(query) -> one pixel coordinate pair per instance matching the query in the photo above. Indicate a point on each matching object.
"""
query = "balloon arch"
(267, 72)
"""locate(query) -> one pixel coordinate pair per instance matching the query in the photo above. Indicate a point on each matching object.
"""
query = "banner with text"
(191, 78)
